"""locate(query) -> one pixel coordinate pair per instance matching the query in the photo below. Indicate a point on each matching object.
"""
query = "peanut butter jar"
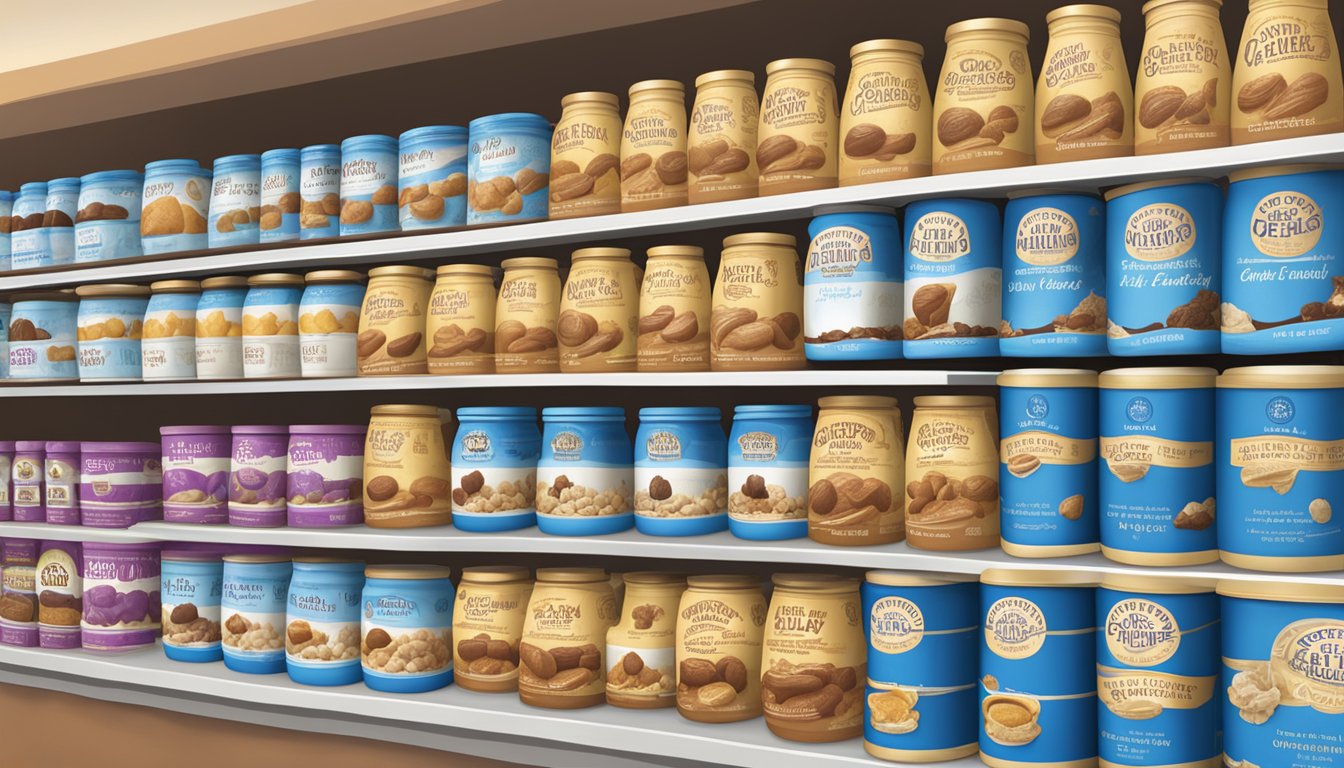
(721, 151)
(814, 661)
(599, 311)
(720, 631)
(982, 103)
(951, 471)
(856, 472)
(1185, 78)
(674, 303)
(585, 156)
(461, 322)
(1287, 80)
(407, 483)
(488, 619)
(798, 138)
(886, 114)
(525, 316)
(391, 337)
(653, 147)
(1084, 102)
(756, 322)
(642, 647)
(564, 638)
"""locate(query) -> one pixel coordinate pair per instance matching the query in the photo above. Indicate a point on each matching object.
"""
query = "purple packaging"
(257, 476)
(325, 475)
(60, 592)
(6, 481)
(18, 596)
(121, 596)
(195, 474)
(62, 482)
(120, 484)
(29, 499)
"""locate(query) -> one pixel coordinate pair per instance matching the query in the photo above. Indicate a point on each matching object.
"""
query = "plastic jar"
(922, 633)
(599, 312)
(642, 645)
(756, 323)
(254, 604)
(1279, 472)
(852, 284)
(432, 177)
(120, 484)
(235, 202)
(30, 241)
(5, 311)
(59, 219)
(584, 476)
(174, 206)
(61, 471)
(953, 279)
(526, 314)
(257, 476)
(490, 607)
(279, 196)
(461, 321)
(328, 322)
(110, 324)
(271, 327)
(219, 328)
(494, 465)
(984, 102)
(319, 191)
(407, 606)
(29, 474)
(564, 638)
(797, 145)
(1157, 470)
(322, 621)
(1157, 670)
(1183, 87)
(168, 341)
(191, 586)
(6, 228)
(720, 630)
(195, 474)
(122, 605)
(107, 224)
(392, 322)
(1054, 260)
(1084, 102)
(405, 463)
(653, 146)
(508, 168)
(42, 337)
(721, 140)
(856, 472)
(6, 480)
(18, 594)
(325, 471)
(1163, 247)
(1048, 462)
(368, 185)
(885, 114)
(60, 591)
(1038, 665)
(1287, 79)
(674, 311)
(681, 472)
(585, 156)
(954, 443)
(768, 471)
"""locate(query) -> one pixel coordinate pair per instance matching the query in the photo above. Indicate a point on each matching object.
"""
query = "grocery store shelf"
(457, 245)
(487, 725)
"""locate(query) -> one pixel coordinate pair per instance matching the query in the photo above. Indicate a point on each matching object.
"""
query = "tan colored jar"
(525, 316)
(856, 472)
(797, 142)
(1185, 79)
(599, 311)
(642, 647)
(983, 104)
(721, 151)
(1084, 102)
(461, 324)
(951, 474)
(886, 114)
(756, 323)
(585, 156)
(391, 337)
(720, 630)
(814, 663)
(653, 147)
(564, 637)
(674, 303)
(490, 608)
(1287, 80)
(407, 483)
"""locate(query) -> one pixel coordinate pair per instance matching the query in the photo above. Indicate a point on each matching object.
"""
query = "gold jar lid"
(1261, 171)
(1283, 377)
(724, 581)
(465, 270)
(1129, 189)
(405, 410)
(66, 295)
(818, 65)
(644, 86)
(1157, 378)
(1158, 585)
(1086, 10)
(274, 278)
(858, 401)
(254, 558)
(884, 46)
(954, 401)
(114, 290)
(495, 574)
(419, 273)
(1154, 4)
(823, 210)
(1281, 592)
(1018, 194)
(1010, 26)
(917, 578)
(1037, 577)
(321, 559)
(655, 578)
(529, 262)
(225, 281)
(601, 98)
(676, 252)
(814, 582)
(333, 276)
(760, 238)
(600, 253)
(1047, 377)
(409, 572)
(571, 575)
(183, 286)
(720, 75)
(1303, 3)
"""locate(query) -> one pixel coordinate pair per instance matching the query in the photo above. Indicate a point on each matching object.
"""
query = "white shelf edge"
(1085, 175)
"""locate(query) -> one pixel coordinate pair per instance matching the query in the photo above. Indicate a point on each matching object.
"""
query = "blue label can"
(192, 584)
(111, 321)
(219, 325)
(173, 207)
(407, 628)
(494, 466)
(43, 330)
(852, 289)
(953, 279)
(279, 195)
(681, 472)
(107, 225)
(432, 177)
(368, 185)
(768, 452)
(511, 153)
(584, 477)
(168, 347)
(59, 219)
(30, 240)
(322, 623)
(235, 202)
(253, 604)
(319, 191)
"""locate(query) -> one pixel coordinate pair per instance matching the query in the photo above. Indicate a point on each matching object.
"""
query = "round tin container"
(253, 605)
(584, 476)
(407, 606)
(494, 461)
(768, 452)
(852, 285)
(953, 279)
(322, 621)
(681, 473)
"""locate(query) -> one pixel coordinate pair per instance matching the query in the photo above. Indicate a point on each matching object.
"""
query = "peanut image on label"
(1195, 516)
(1279, 475)
(1071, 508)
(1011, 720)
(1254, 694)
(894, 711)
(1023, 464)
(1128, 472)
(1319, 509)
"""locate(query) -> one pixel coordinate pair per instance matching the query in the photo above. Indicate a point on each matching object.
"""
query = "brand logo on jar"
(55, 575)
(1015, 628)
(839, 251)
(1159, 232)
(758, 446)
(663, 446)
(1310, 654)
(386, 444)
(939, 236)
(567, 446)
(1046, 237)
(1038, 407)
(895, 624)
(977, 72)
(1280, 410)
(1286, 224)
(1280, 39)
(882, 89)
(791, 618)
(554, 613)
(1141, 633)
(476, 441)
(1139, 410)
(711, 615)
(787, 106)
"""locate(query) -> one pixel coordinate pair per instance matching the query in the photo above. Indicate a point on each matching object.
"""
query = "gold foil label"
(1141, 633)
(1307, 455)
(895, 624)
(1308, 655)
(1015, 628)
(1139, 695)
(1159, 232)
(1286, 224)
(1048, 447)
(1155, 451)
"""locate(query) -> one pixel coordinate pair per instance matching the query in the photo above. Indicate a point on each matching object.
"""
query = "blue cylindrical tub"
(107, 225)
(681, 472)
(253, 604)
(319, 191)
(852, 281)
(953, 279)
(511, 152)
(494, 464)
(584, 477)
(235, 201)
(174, 206)
(432, 177)
(111, 321)
(768, 452)
(30, 242)
(279, 195)
(192, 583)
(407, 605)
(368, 185)
(322, 621)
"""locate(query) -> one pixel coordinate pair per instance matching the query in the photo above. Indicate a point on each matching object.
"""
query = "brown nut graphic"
(958, 124)
(381, 488)
(369, 341)
(932, 303)
(635, 164)
(980, 488)
(697, 672)
(574, 328)
(538, 661)
(699, 156)
(864, 139)
(755, 488)
(732, 671)
(1303, 95)
(1071, 508)
(1159, 105)
(660, 488)
(528, 181)
(471, 649)
(570, 186)
(384, 195)
(722, 321)
(774, 149)
(288, 202)
(671, 167)
(427, 209)
(683, 327)
(785, 686)
(822, 497)
(299, 631)
(570, 679)
(184, 614)
(507, 333)
(750, 337)
(1260, 92)
(236, 624)
(1023, 464)
(600, 165)
(655, 321)
(499, 649)
(377, 638)
(731, 161)
(435, 487)
(632, 663)
(1062, 112)
(1005, 117)
(163, 216)
(412, 193)
(404, 346)
(356, 211)
(564, 168)
(719, 694)
(473, 482)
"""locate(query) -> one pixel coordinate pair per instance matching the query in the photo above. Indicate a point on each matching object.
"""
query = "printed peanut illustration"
(1274, 98)
(660, 499)
(760, 499)
(473, 494)
(1070, 118)
(485, 656)
(1011, 720)
(505, 193)
(316, 214)
(425, 201)
(566, 668)
(963, 128)
(936, 498)
(842, 500)
(581, 335)
(932, 308)
(569, 182)
(184, 625)
(710, 684)
(565, 498)
(740, 328)
(630, 675)
(410, 653)
(384, 494)
(810, 691)
(513, 337)
(1169, 106)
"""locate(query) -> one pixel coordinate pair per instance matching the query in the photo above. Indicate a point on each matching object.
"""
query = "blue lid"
(325, 564)
(179, 164)
(34, 188)
(229, 162)
(6, 195)
(91, 178)
(779, 411)
(454, 133)
(599, 413)
(287, 155)
(371, 141)
(68, 181)
(516, 120)
(679, 414)
(319, 151)
(497, 412)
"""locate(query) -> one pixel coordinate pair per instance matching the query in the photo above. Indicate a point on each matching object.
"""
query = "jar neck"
(987, 35)
(895, 57)
(589, 108)
(1082, 25)
(1198, 8)
(658, 94)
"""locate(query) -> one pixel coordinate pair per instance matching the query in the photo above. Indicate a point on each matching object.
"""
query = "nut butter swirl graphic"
(1305, 668)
